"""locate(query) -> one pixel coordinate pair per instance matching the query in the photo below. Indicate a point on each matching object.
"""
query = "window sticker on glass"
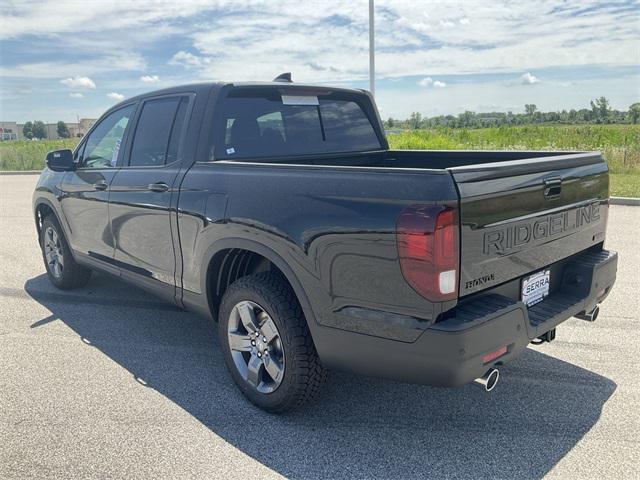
(116, 149)
(300, 100)
(231, 151)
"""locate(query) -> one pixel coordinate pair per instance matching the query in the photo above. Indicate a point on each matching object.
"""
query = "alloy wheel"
(256, 346)
(53, 252)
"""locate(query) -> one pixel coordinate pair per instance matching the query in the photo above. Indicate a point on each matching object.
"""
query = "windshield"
(267, 123)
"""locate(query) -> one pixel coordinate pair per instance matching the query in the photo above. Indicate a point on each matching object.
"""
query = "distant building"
(13, 130)
(8, 131)
(52, 130)
(84, 125)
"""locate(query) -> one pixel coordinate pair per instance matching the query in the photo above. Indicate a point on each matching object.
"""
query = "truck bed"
(433, 159)
(519, 210)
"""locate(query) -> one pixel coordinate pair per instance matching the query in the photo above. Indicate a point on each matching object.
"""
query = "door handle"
(158, 187)
(101, 185)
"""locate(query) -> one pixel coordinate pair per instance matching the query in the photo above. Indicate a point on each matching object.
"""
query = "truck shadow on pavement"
(359, 427)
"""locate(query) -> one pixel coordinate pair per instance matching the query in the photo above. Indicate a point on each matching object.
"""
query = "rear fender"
(269, 254)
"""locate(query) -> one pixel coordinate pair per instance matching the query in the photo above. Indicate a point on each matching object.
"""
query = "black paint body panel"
(336, 232)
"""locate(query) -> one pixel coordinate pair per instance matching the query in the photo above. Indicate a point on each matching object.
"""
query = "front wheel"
(62, 269)
(267, 345)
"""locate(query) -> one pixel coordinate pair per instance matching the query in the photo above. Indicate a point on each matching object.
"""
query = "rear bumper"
(450, 353)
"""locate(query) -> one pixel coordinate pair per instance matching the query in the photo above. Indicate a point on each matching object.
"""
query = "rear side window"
(157, 134)
(262, 124)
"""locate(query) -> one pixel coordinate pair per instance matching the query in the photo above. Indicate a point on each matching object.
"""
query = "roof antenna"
(284, 77)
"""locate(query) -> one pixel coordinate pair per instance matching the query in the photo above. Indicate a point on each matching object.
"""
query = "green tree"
(27, 130)
(530, 109)
(63, 130)
(415, 120)
(634, 113)
(390, 123)
(467, 119)
(601, 110)
(39, 129)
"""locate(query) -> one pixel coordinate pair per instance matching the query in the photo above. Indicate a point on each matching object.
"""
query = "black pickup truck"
(278, 210)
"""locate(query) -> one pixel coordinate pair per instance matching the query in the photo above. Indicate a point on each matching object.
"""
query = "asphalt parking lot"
(108, 382)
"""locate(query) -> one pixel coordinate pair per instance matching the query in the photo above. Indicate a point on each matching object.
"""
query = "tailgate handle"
(552, 187)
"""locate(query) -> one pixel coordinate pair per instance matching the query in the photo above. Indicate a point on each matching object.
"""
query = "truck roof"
(203, 86)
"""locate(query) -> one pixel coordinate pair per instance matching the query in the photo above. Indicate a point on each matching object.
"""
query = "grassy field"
(28, 155)
(620, 145)
(625, 185)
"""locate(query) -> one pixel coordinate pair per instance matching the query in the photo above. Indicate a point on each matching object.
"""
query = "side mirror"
(61, 160)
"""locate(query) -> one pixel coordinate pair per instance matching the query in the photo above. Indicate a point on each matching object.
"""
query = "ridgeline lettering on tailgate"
(510, 238)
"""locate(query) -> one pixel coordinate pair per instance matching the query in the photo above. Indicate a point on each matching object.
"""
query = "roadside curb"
(21, 172)
(635, 202)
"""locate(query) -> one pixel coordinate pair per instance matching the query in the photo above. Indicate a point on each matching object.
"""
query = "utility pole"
(372, 61)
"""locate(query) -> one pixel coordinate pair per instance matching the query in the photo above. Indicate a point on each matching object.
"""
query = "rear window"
(263, 124)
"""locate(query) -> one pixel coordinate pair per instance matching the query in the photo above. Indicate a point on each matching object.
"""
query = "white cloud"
(97, 64)
(150, 78)
(115, 96)
(256, 40)
(55, 17)
(76, 95)
(430, 82)
(281, 36)
(118, 41)
(398, 101)
(186, 59)
(78, 82)
(253, 40)
(529, 79)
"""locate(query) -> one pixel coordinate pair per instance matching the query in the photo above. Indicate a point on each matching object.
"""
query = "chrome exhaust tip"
(589, 316)
(489, 380)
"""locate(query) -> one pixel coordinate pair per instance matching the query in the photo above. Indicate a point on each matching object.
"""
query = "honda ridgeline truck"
(278, 210)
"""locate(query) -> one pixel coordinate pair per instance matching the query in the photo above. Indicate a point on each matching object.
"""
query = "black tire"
(303, 375)
(70, 275)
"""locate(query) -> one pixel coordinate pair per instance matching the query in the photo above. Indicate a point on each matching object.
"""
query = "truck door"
(141, 195)
(86, 189)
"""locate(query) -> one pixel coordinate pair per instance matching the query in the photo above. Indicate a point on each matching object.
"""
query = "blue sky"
(62, 59)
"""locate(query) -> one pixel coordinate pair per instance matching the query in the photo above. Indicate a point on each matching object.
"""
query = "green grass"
(625, 185)
(29, 155)
(620, 144)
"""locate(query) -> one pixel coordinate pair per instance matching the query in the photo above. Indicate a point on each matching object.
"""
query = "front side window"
(155, 142)
(102, 147)
(263, 123)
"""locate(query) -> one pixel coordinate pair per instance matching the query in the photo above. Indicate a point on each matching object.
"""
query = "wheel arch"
(232, 258)
(42, 208)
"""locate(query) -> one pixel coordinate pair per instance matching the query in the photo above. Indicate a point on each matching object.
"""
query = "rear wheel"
(62, 269)
(267, 344)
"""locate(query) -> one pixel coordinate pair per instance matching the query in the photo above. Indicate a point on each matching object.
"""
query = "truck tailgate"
(519, 216)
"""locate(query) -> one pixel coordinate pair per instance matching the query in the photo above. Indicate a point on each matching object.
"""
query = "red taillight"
(428, 247)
